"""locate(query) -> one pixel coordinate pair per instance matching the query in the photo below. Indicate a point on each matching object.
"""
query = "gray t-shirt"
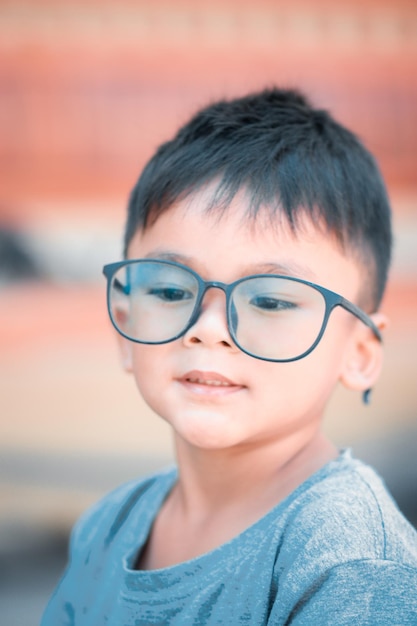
(335, 552)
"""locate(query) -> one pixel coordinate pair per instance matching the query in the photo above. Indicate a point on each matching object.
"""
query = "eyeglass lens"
(269, 316)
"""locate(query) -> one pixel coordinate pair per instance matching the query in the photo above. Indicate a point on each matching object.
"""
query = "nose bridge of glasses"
(208, 303)
(207, 287)
(215, 284)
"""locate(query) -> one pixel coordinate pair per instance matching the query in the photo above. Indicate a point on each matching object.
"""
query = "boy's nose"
(210, 328)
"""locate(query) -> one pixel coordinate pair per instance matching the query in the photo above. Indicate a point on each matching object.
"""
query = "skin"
(247, 432)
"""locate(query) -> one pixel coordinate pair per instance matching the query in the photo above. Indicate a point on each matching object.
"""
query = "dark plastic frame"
(332, 300)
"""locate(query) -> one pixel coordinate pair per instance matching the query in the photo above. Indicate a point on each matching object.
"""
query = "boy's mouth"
(209, 379)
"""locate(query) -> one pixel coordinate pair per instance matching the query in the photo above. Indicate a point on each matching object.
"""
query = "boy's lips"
(209, 381)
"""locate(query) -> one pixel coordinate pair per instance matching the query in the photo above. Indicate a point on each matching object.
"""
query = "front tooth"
(213, 383)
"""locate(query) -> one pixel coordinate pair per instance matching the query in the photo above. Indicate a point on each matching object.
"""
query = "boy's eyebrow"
(287, 268)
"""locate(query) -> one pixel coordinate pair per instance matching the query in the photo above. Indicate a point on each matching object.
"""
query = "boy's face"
(213, 394)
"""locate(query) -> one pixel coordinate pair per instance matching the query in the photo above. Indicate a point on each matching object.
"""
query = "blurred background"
(88, 89)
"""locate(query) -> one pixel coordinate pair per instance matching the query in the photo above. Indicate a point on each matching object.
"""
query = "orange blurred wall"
(88, 89)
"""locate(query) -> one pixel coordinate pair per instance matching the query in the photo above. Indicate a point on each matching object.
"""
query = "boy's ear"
(125, 348)
(364, 356)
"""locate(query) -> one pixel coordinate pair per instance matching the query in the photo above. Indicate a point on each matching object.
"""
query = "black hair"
(289, 158)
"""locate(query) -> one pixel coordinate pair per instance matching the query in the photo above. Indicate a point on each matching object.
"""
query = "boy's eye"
(269, 303)
(169, 294)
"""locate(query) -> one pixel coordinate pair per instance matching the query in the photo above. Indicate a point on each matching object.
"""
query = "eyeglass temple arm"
(117, 285)
(357, 312)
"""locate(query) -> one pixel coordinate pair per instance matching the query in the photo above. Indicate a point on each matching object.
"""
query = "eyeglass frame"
(331, 299)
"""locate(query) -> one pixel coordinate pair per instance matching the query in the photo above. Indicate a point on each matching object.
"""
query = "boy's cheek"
(126, 353)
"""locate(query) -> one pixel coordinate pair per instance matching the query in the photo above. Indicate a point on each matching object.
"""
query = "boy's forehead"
(209, 206)
(266, 224)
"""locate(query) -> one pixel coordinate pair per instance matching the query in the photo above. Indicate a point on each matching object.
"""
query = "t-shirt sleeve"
(61, 606)
(89, 534)
(365, 593)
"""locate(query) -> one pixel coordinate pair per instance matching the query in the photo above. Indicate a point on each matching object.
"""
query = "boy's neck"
(219, 495)
(211, 481)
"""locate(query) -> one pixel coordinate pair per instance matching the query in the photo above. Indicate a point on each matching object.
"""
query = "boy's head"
(289, 159)
(282, 209)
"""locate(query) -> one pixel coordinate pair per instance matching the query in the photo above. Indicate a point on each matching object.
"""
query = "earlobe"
(364, 358)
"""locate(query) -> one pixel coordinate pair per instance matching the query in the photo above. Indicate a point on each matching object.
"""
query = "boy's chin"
(207, 430)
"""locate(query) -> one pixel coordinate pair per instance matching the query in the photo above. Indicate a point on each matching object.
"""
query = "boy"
(241, 233)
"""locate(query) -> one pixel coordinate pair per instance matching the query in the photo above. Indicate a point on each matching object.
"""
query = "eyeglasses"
(270, 317)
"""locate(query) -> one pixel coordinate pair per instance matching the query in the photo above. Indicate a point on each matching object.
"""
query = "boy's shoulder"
(347, 555)
(345, 512)
(106, 517)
